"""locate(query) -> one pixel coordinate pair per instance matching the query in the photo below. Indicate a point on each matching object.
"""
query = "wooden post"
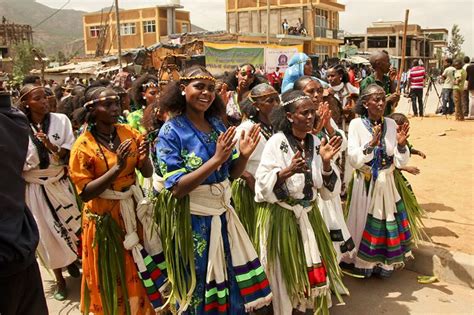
(268, 21)
(404, 48)
(119, 44)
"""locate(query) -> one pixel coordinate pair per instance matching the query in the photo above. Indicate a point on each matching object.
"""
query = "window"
(149, 26)
(94, 31)
(127, 29)
(377, 41)
(184, 28)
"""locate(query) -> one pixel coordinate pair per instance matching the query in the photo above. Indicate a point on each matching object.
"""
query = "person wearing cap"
(21, 288)
(49, 193)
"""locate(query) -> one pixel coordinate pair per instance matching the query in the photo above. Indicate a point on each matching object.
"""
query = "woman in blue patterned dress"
(212, 265)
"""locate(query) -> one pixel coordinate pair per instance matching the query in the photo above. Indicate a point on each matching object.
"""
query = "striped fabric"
(252, 281)
(216, 298)
(154, 277)
(417, 77)
(384, 241)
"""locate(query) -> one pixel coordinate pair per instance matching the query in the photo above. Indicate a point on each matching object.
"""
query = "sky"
(210, 14)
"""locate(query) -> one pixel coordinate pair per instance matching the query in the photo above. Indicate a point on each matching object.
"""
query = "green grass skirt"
(245, 206)
(285, 243)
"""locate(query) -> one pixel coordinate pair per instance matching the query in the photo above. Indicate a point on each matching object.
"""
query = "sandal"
(60, 294)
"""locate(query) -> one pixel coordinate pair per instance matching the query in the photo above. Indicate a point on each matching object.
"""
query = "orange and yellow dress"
(87, 163)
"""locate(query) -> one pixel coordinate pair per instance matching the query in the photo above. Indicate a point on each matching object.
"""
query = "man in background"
(465, 93)
(384, 76)
(470, 87)
(447, 106)
(21, 289)
(458, 88)
(416, 82)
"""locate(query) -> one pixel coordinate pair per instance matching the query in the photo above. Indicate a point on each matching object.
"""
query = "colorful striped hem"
(153, 278)
(385, 241)
(216, 296)
(252, 281)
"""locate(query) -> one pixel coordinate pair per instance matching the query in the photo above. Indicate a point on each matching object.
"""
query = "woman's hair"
(399, 118)
(24, 91)
(342, 72)
(303, 81)
(139, 86)
(232, 82)
(92, 92)
(366, 93)
(247, 106)
(278, 116)
(174, 102)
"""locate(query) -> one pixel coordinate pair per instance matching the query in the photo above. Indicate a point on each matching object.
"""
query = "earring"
(183, 93)
(27, 106)
(144, 97)
(290, 120)
(258, 109)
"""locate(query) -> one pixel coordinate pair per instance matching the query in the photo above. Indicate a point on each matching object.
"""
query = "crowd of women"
(218, 196)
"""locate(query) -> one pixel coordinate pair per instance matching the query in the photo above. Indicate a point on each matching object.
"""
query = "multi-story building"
(320, 18)
(12, 34)
(388, 36)
(138, 27)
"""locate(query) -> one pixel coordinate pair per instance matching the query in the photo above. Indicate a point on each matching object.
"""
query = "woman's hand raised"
(403, 134)
(225, 145)
(328, 150)
(248, 141)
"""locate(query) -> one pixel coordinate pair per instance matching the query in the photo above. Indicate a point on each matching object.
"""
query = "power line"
(53, 14)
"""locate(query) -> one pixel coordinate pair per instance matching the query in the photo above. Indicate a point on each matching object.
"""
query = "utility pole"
(119, 45)
(268, 21)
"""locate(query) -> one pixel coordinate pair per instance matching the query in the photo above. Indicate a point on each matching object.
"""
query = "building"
(12, 34)
(320, 18)
(138, 28)
(388, 36)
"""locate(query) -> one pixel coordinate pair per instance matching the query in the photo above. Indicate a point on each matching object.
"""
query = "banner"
(228, 59)
(278, 57)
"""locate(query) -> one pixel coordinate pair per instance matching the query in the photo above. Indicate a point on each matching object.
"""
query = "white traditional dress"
(331, 209)
(242, 195)
(290, 210)
(50, 195)
(377, 217)
(341, 93)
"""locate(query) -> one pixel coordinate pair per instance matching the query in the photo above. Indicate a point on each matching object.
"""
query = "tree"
(454, 47)
(23, 61)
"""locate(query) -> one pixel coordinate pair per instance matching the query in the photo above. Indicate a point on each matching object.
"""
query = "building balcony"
(329, 33)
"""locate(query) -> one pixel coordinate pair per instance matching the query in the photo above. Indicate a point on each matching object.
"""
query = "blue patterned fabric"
(201, 235)
(182, 148)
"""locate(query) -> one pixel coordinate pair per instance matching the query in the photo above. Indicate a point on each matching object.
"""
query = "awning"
(357, 60)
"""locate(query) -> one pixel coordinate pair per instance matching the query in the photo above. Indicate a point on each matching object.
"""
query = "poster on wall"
(219, 60)
(278, 57)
